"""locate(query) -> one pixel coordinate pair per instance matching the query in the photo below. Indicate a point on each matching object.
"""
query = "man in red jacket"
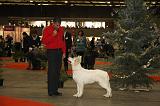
(53, 39)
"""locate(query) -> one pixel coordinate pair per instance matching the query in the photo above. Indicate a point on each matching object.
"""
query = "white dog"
(84, 76)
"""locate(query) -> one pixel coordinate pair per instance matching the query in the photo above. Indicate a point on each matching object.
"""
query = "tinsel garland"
(120, 76)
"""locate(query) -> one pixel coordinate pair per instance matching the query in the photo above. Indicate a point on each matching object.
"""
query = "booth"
(15, 32)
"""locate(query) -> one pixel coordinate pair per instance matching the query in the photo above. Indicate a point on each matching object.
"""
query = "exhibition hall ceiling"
(116, 3)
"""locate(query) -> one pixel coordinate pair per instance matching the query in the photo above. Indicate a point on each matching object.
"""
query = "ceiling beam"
(73, 2)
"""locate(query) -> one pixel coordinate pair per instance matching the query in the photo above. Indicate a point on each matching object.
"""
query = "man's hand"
(54, 33)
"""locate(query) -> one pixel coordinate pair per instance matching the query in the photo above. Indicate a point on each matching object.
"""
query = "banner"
(8, 28)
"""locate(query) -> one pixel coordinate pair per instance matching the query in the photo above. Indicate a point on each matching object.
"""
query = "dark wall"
(3, 20)
(50, 11)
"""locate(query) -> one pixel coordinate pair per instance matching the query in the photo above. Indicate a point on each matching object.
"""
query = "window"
(38, 23)
(68, 23)
(90, 24)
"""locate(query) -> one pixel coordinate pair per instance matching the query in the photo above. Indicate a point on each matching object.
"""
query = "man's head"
(56, 22)
(24, 34)
(57, 19)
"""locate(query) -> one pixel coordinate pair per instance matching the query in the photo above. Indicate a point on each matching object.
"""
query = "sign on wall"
(9, 28)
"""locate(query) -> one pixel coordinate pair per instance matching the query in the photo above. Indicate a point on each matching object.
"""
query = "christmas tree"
(138, 47)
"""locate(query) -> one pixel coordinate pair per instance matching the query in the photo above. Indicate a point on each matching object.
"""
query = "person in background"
(80, 45)
(53, 39)
(92, 43)
(2, 46)
(109, 49)
(36, 42)
(8, 41)
(91, 55)
(68, 40)
(33, 52)
(26, 44)
(87, 42)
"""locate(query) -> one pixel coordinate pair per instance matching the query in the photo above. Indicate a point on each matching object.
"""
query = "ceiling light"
(117, 5)
(45, 4)
(65, 1)
(123, 5)
(99, 2)
(108, 2)
(153, 2)
(121, 2)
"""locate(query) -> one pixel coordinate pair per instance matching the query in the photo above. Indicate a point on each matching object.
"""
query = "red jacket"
(54, 42)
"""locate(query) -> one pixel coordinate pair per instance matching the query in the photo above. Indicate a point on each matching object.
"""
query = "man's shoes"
(55, 94)
(50, 94)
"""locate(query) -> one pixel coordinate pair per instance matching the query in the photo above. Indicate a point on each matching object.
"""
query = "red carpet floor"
(155, 78)
(10, 101)
(5, 58)
(13, 65)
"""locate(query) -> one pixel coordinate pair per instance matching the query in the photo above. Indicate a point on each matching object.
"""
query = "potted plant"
(17, 55)
(63, 78)
(17, 51)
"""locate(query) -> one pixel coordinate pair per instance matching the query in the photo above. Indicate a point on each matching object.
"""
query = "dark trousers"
(54, 66)
(82, 60)
(66, 61)
(89, 60)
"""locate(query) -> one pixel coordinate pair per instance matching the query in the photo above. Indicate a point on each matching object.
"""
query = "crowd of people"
(6, 45)
(26, 47)
(77, 45)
